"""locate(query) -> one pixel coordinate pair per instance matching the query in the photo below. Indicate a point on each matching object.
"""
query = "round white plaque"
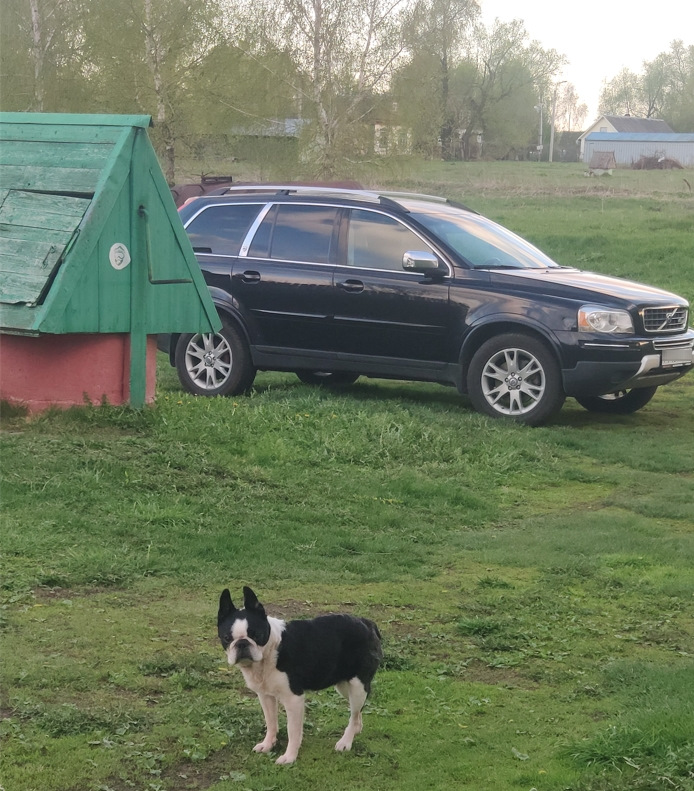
(119, 256)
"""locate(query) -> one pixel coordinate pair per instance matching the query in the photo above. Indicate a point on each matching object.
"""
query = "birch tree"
(345, 51)
(39, 44)
(143, 55)
(570, 111)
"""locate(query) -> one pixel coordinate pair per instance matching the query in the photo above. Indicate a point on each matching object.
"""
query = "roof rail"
(300, 189)
(384, 197)
(424, 197)
(412, 196)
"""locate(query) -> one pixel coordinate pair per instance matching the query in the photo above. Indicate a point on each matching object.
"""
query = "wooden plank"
(36, 210)
(34, 230)
(55, 154)
(46, 212)
(47, 179)
(32, 242)
(55, 124)
(58, 134)
(25, 269)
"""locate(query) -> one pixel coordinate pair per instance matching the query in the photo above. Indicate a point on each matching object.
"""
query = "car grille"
(664, 319)
(672, 344)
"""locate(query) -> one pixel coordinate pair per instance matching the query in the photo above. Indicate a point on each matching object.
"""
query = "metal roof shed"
(629, 147)
(90, 244)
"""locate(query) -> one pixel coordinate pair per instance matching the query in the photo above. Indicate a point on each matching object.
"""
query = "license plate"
(678, 356)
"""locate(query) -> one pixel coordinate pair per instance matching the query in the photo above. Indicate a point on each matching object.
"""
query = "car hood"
(593, 285)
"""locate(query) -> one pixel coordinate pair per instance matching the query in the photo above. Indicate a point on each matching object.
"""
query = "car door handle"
(353, 286)
(250, 276)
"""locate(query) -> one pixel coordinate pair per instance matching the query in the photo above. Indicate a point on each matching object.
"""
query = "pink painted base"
(70, 370)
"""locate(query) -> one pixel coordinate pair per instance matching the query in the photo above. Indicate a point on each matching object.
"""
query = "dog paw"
(286, 759)
(343, 745)
(264, 747)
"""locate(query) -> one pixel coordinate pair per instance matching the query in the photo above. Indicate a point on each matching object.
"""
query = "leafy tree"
(40, 54)
(506, 62)
(344, 51)
(678, 104)
(511, 118)
(436, 37)
(664, 89)
(623, 95)
(570, 111)
(143, 56)
(234, 87)
(418, 101)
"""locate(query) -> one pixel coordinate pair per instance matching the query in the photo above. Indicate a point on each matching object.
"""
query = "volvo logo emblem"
(668, 318)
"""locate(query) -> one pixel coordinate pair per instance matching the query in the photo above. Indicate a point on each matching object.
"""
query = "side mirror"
(419, 261)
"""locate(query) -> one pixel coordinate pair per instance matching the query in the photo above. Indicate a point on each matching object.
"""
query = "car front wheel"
(214, 363)
(516, 376)
(621, 402)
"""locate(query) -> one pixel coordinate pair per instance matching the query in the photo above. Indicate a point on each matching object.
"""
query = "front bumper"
(610, 368)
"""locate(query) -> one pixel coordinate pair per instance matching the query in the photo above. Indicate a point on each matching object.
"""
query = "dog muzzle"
(243, 652)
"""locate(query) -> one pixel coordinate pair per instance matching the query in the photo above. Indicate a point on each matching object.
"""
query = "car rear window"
(296, 233)
(221, 229)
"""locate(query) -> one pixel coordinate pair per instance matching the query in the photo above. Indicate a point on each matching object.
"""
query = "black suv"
(334, 284)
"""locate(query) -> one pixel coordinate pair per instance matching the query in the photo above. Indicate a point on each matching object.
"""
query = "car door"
(216, 233)
(283, 278)
(381, 310)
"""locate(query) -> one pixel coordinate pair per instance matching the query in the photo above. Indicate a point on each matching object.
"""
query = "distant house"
(392, 139)
(276, 139)
(627, 124)
(277, 128)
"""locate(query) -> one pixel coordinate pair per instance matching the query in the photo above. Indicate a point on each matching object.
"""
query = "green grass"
(535, 587)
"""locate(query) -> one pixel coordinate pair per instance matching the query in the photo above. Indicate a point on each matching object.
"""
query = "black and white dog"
(279, 661)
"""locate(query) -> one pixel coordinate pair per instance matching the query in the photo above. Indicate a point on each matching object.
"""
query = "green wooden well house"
(94, 261)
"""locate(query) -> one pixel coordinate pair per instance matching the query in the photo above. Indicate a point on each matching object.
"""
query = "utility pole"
(538, 107)
(554, 113)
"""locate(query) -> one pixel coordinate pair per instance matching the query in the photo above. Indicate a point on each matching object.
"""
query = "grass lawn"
(535, 587)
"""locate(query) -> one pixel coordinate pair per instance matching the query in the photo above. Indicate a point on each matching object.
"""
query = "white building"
(610, 124)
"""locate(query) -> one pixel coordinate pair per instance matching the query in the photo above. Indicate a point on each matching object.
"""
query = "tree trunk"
(37, 56)
(162, 119)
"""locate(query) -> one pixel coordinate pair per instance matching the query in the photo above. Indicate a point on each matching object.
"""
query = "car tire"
(327, 378)
(214, 363)
(516, 376)
(621, 402)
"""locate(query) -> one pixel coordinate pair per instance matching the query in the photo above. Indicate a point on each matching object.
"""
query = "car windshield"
(480, 242)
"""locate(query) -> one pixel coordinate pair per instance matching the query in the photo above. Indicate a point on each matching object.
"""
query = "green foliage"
(662, 90)
(651, 741)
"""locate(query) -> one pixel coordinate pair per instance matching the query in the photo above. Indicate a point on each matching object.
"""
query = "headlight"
(594, 318)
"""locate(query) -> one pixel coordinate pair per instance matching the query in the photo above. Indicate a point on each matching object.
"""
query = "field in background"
(510, 179)
(535, 587)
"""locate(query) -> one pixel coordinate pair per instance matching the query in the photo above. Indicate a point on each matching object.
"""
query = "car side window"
(296, 233)
(220, 230)
(376, 241)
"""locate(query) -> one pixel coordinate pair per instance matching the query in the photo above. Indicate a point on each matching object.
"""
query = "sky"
(599, 37)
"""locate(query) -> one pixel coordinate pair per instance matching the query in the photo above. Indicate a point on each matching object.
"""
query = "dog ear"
(250, 601)
(226, 606)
